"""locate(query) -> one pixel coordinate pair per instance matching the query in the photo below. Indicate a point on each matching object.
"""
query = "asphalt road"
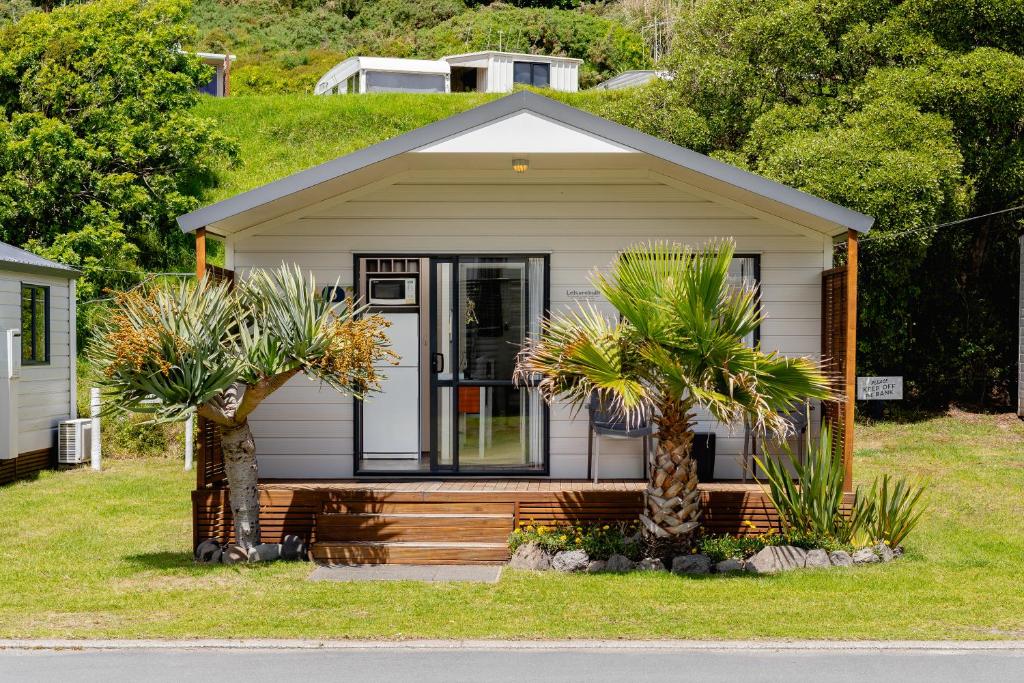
(494, 665)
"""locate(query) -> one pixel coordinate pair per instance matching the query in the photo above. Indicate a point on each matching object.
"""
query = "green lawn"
(107, 555)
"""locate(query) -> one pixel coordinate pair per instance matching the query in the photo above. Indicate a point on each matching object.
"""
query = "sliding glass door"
(483, 309)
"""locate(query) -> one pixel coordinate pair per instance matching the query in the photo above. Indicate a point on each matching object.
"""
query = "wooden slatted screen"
(833, 349)
(210, 460)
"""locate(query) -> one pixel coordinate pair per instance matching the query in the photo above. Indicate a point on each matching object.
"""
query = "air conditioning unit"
(74, 441)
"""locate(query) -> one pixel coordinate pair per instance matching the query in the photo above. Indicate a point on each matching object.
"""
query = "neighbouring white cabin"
(489, 72)
(385, 74)
(465, 233)
(37, 358)
(220, 84)
(499, 72)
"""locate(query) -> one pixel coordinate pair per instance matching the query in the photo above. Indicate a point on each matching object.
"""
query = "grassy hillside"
(282, 134)
(286, 46)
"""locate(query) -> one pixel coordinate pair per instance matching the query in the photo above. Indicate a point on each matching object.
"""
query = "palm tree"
(218, 351)
(677, 347)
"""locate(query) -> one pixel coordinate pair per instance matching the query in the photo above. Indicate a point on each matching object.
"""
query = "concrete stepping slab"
(429, 573)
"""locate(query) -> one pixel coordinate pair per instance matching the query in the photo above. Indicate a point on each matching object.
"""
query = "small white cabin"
(37, 359)
(385, 74)
(492, 71)
(220, 84)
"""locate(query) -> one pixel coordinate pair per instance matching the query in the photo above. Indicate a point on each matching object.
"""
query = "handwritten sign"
(879, 388)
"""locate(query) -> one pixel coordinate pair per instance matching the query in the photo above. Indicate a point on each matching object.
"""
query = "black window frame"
(534, 66)
(31, 338)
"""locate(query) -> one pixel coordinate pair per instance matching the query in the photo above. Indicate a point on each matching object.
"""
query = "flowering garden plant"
(600, 541)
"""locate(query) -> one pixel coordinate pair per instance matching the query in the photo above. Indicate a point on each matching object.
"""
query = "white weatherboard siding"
(44, 391)
(306, 431)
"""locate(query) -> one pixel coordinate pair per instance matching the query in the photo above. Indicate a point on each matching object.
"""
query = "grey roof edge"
(538, 104)
(18, 260)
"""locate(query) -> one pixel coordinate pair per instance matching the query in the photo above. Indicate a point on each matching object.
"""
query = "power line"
(909, 231)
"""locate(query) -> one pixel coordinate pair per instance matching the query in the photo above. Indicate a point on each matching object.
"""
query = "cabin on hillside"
(38, 383)
(220, 84)
(488, 72)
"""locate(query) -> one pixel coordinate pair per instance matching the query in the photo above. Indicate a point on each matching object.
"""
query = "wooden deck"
(349, 521)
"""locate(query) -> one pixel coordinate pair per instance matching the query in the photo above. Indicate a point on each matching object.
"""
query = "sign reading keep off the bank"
(879, 388)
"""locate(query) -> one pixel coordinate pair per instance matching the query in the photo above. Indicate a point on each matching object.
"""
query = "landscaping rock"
(619, 563)
(729, 565)
(596, 566)
(777, 558)
(208, 552)
(650, 564)
(897, 552)
(530, 556)
(293, 548)
(691, 564)
(884, 552)
(234, 554)
(840, 558)
(570, 561)
(817, 559)
(865, 556)
(265, 552)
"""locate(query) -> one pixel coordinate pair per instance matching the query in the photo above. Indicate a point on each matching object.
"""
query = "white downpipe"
(189, 440)
(94, 411)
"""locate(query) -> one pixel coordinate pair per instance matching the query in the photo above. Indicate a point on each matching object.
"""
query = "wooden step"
(369, 526)
(418, 507)
(409, 552)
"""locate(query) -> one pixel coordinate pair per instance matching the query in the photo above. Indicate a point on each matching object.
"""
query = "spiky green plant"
(809, 501)
(891, 510)
(218, 351)
(677, 346)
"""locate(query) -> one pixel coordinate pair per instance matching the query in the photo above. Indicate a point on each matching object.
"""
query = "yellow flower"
(606, 527)
(750, 524)
(563, 538)
(529, 528)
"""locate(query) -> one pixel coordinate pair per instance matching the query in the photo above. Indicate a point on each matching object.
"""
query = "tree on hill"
(99, 148)
(910, 111)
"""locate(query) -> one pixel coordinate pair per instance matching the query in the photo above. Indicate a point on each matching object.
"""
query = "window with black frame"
(532, 73)
(35, 324)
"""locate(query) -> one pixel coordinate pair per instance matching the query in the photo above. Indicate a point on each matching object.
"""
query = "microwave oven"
(392, 291)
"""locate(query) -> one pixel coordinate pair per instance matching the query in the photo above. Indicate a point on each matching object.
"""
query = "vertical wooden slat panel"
(834, 351)
(850, 361)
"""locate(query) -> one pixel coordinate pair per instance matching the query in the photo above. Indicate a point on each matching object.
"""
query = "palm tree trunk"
(672, 501)
(243, 482)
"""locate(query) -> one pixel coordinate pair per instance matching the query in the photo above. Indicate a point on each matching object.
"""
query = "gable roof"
(13, 258)
(525, 101)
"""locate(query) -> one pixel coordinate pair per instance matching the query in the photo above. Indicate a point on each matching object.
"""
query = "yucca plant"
(677, 346)
(218, 351)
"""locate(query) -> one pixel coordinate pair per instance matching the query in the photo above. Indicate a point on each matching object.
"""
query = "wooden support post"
(200, 253)
(850, 380)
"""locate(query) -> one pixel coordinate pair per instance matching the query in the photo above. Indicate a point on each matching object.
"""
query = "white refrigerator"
(391, 418)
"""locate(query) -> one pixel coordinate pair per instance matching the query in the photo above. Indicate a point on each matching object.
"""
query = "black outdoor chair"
(799, 421)
(605, 422)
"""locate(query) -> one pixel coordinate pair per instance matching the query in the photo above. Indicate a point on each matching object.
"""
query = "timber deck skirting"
(293, 507)
(26, 465)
